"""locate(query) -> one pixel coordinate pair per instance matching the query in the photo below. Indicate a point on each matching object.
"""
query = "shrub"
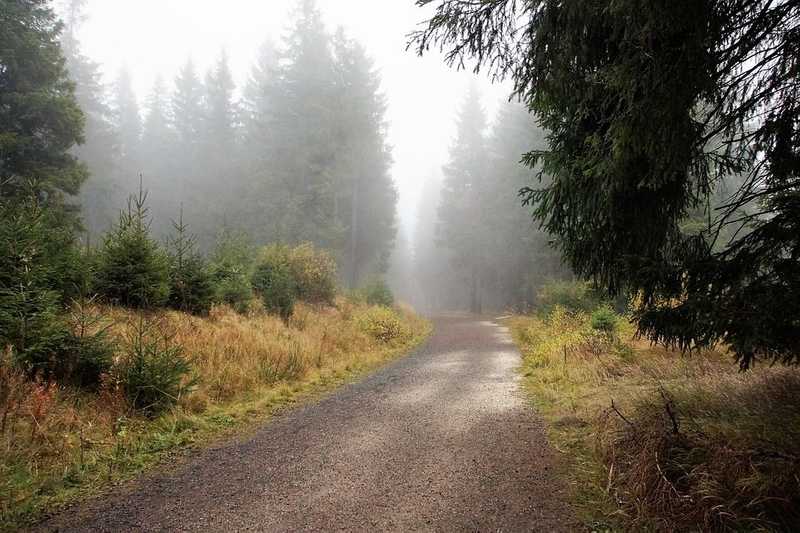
(604, 320)
(153, 369)
(191, 283)
(231, 265)
(274, 283)
(377, 292)
(314, 272)
(32, 249)
(88, 351)
(192, 288)
(132, 268)
(382, 324)
(572, 295)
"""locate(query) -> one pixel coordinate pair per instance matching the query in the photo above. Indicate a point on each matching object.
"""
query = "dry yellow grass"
(58, 443)
(659, 440)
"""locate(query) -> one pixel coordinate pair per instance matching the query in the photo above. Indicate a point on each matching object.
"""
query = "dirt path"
(439, 441)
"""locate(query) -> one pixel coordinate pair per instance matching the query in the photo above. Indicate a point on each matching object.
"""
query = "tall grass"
(57, 442)
(657, 440)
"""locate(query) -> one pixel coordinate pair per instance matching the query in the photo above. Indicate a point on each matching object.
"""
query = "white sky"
(155, 37)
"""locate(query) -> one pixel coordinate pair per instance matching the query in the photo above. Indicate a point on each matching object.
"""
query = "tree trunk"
(354, 235)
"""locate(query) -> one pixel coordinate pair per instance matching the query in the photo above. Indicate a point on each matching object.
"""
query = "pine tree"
(259, 96)
(259, 141)
(98, 149)
(186, 111)
(462, 214)
(219, 133)
(191, 284)
(40, 120)
(128, 126)
(523, 259)
(299, 188)
(364, 187)
(30, 320)
(132, 268)
(216, 186)
(188, 123)
(157, 151)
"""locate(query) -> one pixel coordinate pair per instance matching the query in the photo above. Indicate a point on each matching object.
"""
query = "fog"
(273, 167)
(154, 37)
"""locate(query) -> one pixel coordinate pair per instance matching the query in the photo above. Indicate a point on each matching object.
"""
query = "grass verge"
(60, 445)
(658, 441)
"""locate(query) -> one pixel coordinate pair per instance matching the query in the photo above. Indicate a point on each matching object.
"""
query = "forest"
(191, 246)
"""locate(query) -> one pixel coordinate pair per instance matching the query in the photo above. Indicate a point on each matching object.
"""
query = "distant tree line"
(478, 248)
(300, 156)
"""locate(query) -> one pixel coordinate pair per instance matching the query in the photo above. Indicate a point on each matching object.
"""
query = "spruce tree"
(132, 269)
(366, 196)
(259, 142)
(192, 288)
(157, 151)
(186, 112)
(128, 128)
(462, 214)
(216, 184)
(300, 199)
(522, 257)
(40, 120)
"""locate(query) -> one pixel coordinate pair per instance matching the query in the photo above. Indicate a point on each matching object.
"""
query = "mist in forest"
(300, 121)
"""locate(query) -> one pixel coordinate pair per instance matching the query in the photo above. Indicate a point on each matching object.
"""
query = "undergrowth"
(59, 443)
(660, 441)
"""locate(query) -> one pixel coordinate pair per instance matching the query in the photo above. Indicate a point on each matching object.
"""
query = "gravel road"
(441, 440)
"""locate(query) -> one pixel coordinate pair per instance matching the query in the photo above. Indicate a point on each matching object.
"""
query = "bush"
(132, 268)
(231, 265)
(88, 351)
(382, 324)
(314, 273)
(604, 320)
(153, 370)
(273, 282)
(32, 250)
(191, 283)
(377, 292)
(572, 295)
(192, 287)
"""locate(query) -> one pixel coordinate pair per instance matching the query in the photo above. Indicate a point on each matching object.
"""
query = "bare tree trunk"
(354, 235)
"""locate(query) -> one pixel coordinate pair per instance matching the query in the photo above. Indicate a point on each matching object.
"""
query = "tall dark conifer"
(40, 119)
(301, 205)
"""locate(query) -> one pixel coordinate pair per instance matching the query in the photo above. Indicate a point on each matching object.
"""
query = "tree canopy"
(40, 120)
(649, 108)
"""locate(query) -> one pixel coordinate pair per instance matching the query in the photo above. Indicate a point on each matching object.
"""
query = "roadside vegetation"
(124, 337)
(655, 439)
(113, 356)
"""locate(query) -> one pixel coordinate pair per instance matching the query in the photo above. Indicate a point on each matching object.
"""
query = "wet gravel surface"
(441, 440)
